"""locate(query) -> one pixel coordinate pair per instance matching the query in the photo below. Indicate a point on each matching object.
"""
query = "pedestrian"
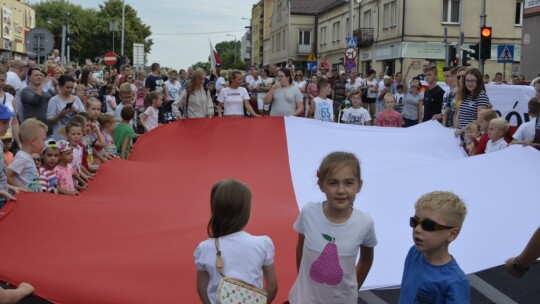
(284, 98)
(473, 99)
(194, 101)
(431, 274)
(330, 236)
(245, 257)
(233, 99)
(152, 104)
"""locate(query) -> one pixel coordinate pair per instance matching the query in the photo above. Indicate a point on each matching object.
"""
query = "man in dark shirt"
(339, 92)
(433, 97)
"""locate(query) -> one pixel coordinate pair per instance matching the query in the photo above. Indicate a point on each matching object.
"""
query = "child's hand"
(7, 196)
(26, 288)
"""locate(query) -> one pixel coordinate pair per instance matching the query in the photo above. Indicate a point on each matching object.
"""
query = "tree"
(91, 27)
(226, 50)
(202, 65)
(135, 30)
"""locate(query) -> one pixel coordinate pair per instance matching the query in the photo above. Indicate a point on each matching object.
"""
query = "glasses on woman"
(471, 81)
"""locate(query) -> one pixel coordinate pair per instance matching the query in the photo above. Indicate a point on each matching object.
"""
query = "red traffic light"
(486, 32)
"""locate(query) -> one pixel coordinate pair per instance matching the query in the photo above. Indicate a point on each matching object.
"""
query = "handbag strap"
(187, 103)
(219, 260)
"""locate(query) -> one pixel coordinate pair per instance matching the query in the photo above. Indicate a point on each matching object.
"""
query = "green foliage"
(225, 51)
(203, 65)
(91, 27)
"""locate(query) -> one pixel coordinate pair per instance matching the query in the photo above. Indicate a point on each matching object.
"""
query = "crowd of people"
(59, 123)
(100, 112)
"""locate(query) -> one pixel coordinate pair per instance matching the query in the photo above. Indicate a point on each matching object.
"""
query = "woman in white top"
(221, 82)
(285, 99)
(200, 103)
(234, 98)
(264, 87)
(63, 106)
(373, 91)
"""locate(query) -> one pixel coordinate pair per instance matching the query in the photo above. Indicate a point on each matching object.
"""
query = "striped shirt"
(468, 109)
(48, 180)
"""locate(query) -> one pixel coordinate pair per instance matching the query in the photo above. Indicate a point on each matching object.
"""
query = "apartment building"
(17, 20)
(530, 61)
(293, 29)
(391, 33)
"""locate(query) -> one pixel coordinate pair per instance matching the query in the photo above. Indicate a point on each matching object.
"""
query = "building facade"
(391, 34)
(17, 20)
(292, 30)
(530, 61)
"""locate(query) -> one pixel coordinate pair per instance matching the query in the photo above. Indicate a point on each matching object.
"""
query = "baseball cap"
(5, 112)
(19, 64)
(64, 146)
(342, 73)
(8, 135)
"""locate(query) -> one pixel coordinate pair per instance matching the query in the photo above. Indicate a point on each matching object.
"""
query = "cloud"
(186, 16)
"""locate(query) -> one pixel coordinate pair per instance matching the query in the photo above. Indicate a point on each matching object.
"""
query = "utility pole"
(123, 26)
(483, 18)
(351, 25)
(446, 57)
(63, 46)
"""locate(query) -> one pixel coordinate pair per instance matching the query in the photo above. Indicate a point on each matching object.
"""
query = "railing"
(305, 48)
(364, 36)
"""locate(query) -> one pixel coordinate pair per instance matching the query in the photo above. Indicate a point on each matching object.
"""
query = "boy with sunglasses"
(431, 274)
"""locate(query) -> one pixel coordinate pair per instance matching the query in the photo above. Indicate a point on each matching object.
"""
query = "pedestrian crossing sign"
(311, 57)
(505, 53)
(351, 42)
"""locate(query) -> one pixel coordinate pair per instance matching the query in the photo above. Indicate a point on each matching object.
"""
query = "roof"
(311, 7)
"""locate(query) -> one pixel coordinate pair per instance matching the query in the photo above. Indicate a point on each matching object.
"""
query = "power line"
(201, 33)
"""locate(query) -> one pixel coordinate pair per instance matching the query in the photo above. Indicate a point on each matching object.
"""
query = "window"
(336, 32)
(519, 13)
(367, 19)
(389, 14)
(451, 11)
(323, 36)
(273, 43)
(278, 12)
(304, 37)
(278, 41)
(284, 39)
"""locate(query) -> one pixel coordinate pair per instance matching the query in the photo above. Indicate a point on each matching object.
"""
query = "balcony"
(364, 36)
(304, 49)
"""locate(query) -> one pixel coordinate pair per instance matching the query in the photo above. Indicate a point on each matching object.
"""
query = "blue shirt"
(423, 283)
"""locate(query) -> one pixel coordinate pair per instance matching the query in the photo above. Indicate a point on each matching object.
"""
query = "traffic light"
(452, 58)
(475, 51)
(69, 38)
(465, 58)
(485, 42)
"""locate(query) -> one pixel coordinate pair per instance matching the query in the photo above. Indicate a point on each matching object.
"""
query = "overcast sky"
(197, 20)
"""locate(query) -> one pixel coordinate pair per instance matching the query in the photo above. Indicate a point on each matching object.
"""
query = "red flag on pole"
(214, 57)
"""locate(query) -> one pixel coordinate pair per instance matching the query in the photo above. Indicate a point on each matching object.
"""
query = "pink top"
(389, 118)
(312, 90)
(65, 177)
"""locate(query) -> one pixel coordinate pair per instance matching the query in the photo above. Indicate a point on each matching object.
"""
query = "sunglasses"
(427, 225)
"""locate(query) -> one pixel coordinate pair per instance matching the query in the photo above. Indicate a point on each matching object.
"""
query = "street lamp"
(234, 46)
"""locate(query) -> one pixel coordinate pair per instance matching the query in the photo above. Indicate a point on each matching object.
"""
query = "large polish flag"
(131, 238)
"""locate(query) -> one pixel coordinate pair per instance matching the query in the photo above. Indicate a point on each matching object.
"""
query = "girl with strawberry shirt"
(246, 257)
(330, 235)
